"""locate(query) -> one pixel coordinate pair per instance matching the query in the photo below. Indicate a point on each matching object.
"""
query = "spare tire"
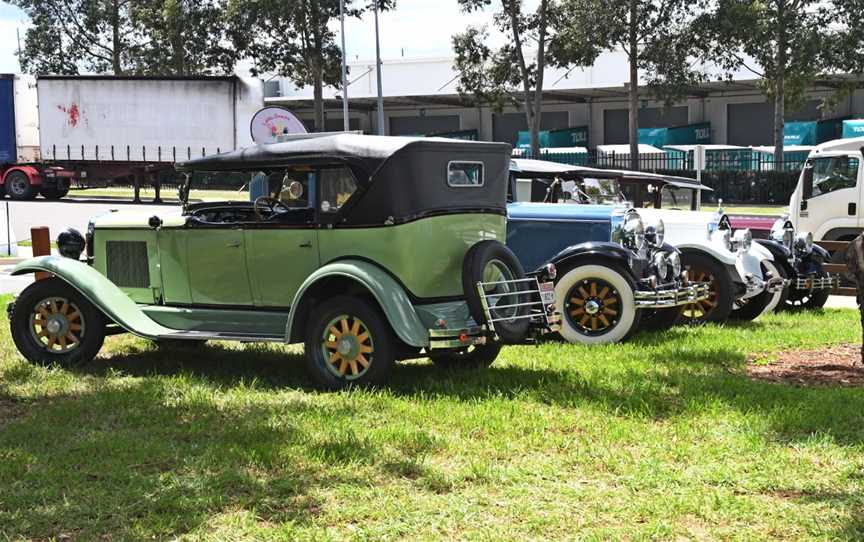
(491, 261)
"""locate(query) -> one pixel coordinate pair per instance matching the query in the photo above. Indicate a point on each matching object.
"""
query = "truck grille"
(127, 264)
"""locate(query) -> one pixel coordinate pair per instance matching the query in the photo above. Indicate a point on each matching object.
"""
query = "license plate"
(547, 293)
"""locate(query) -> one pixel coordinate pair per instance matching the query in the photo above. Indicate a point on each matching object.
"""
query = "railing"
(736, 176)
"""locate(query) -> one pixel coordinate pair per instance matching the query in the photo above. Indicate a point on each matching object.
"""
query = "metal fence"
(737, 176)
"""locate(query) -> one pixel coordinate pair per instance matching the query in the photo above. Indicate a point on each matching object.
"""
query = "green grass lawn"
(768, 210)
(167, 194)
(662, 438)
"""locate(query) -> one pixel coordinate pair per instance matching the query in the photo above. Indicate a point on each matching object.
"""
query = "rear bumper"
(829, 282)
(663, 297)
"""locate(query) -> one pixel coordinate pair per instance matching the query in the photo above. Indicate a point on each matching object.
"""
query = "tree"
(294, 40)
(68, 36)
(655, 36)
(513, 73)
(181, 37)
(779, 41)
(168, 37)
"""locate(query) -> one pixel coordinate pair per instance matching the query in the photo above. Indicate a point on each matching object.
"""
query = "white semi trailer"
(113, 127)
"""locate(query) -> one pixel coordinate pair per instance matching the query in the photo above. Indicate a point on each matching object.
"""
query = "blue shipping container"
(7, 119)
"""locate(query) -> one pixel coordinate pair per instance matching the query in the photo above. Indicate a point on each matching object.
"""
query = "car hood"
(138, 219)
(562, 211)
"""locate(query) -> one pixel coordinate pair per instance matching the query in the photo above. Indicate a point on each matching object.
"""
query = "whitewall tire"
(597, 305)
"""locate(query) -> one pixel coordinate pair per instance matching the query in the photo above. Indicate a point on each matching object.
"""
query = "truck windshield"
(833, 173)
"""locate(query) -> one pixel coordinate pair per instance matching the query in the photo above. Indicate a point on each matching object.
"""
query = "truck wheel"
(805, 300)
(53, 323)
(490, 261)
(53, 192)
(348, 342)
(473, 357)
(597, 304)
(18, 186)
(718, 305)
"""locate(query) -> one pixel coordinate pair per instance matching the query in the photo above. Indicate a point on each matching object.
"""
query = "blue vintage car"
(611, 267)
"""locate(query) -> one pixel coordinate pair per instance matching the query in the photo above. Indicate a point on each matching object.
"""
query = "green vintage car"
(366, 249)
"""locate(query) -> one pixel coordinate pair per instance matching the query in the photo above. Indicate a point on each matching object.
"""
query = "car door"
(216, 259)
(282, 252)
(831, 196)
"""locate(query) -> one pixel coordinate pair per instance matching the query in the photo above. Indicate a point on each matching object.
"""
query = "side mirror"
(807, 186)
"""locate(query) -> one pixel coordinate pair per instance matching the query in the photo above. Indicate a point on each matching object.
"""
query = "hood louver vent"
(127, 264)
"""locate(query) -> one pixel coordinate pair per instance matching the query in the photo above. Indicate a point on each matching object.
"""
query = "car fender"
(33, 174)
(723, 256)
(390, 295)
(779, 253)
(605, 250)
(100, 291)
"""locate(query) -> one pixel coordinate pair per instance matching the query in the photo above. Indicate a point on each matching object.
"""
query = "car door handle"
(233, 244)
(306, 244)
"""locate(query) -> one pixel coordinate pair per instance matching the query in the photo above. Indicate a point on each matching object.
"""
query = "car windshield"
(676, 197)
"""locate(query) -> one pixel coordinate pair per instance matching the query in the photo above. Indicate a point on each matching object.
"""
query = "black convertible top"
(399, 178)
(370, 151)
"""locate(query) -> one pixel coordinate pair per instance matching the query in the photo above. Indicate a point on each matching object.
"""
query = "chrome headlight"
(661, 265)
(742, 240)
(803, 243)
(634, 232)
(674, 261)
(655, 233)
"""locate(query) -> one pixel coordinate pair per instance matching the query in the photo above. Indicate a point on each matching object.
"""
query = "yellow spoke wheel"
(701, 310)
(348, 347)
(593, 306)
(57, 325)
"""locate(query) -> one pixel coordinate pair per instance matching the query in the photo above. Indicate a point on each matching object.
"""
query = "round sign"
(272, 123)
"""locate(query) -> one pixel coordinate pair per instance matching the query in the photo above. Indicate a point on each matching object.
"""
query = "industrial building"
(421, 97)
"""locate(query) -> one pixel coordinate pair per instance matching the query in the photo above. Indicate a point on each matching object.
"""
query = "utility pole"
(381, 130)
(346, 125)
(18, 35)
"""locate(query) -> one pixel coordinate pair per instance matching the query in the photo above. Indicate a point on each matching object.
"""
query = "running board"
(222, 336)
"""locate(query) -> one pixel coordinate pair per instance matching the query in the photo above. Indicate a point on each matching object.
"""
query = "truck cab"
(828, 199)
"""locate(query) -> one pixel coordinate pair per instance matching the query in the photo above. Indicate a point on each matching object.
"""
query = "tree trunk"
(532, 116)
(116, 66)
(780, 86)
(633, 57)
(318, 95)
(538, 90)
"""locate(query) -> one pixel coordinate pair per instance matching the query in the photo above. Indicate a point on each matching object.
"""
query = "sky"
(418, 29)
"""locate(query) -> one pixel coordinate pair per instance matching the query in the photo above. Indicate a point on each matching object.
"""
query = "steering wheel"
(266, 207)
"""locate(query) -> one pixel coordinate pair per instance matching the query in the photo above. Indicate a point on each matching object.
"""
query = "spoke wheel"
(716, 308)
(348, 347)
(701, 310)
(52, 323)
(348, 342)
(593, 306)
(57, 325)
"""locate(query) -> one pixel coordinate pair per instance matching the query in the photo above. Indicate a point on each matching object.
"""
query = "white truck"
(113, 127)
(829, 200)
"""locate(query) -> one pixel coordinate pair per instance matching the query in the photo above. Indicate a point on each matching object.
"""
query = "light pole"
(378, 71)
(346, 125)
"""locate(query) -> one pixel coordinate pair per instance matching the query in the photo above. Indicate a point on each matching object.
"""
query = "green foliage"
(660, 438)
(294, 39)
(168, 37)
(513, 73)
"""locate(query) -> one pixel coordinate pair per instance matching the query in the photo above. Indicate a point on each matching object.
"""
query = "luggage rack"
(540, 312)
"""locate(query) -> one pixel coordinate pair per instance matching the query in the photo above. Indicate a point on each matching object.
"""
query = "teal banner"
(799, 133)
(690, 134)
(565, 137)
(853, 128)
